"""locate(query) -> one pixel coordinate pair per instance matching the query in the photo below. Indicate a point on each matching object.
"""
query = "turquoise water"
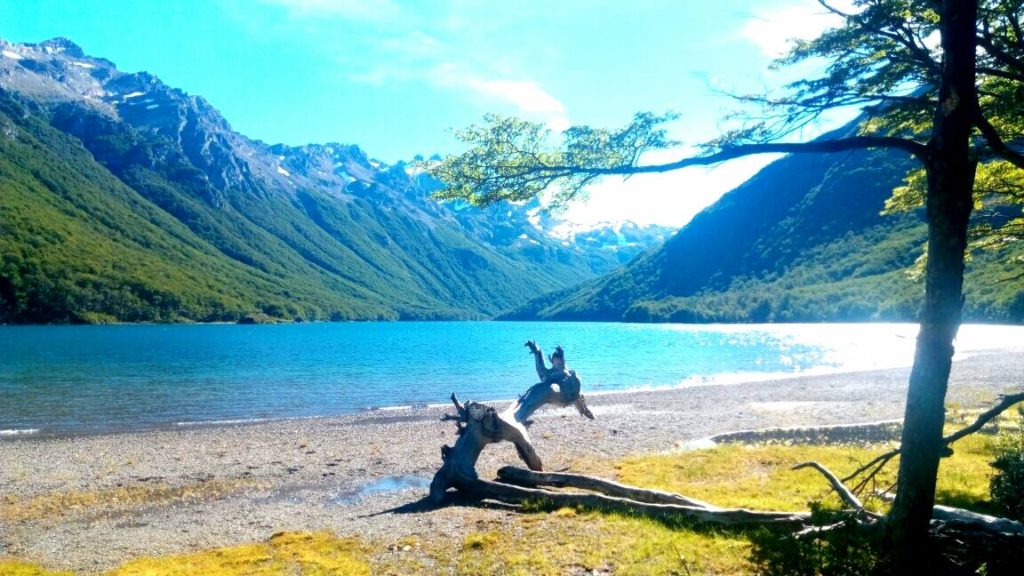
(77, 379)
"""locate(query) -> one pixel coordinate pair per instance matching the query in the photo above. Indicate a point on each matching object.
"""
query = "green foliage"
(801, 241)
(512, 159)
(883, 60)
(997, 221)
(1007, 484)
(847, 550)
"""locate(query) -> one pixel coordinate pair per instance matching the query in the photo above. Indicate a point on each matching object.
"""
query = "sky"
(397, 76)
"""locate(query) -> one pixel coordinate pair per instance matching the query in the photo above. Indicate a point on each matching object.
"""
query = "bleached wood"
(531, 479)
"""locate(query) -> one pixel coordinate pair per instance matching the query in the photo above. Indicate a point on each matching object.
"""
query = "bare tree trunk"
(949, 202)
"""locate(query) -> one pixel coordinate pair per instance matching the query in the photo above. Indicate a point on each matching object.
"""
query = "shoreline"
(426, 410)
(190, 488)
(500, 318)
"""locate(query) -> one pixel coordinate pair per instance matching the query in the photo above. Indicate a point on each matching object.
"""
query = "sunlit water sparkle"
(79, 379)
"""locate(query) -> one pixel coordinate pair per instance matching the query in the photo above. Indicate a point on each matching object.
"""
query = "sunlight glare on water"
(71, 379)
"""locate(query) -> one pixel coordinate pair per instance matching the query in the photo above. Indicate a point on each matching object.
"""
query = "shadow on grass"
(967, 501)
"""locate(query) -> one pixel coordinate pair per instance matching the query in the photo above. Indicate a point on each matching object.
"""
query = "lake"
(84, 379)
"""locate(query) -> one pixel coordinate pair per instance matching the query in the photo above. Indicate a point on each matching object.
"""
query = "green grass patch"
(759, 476)
(289, 553)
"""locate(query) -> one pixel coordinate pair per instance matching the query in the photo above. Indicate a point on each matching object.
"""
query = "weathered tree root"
(725, 516)
(520, 477)
(517, 485)
(613, 497)
(479, 425)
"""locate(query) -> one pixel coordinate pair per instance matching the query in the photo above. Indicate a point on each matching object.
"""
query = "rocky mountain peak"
(60, 45)
(93, 100)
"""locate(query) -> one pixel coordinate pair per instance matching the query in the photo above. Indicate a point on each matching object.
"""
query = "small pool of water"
(385, 484)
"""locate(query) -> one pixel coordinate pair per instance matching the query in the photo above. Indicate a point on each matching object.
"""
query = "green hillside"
(124, 199)
(78, 245)
(803, 240)
(118, 225)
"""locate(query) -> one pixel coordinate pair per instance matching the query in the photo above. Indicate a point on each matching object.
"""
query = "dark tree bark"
(949, 201)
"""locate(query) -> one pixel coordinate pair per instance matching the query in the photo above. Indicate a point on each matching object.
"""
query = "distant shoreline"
(426, 411)
(498, 318)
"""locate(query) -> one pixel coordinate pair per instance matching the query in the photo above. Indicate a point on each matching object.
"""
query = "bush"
(1007, 485)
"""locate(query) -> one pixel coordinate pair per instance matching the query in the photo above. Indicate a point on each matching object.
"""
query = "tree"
(950, 104)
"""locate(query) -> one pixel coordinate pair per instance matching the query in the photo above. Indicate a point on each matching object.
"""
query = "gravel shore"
(179, 490)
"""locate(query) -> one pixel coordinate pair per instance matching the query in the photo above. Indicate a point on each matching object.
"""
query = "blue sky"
(395, 76)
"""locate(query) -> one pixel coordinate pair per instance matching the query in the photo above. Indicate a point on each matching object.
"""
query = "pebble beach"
(89, 503)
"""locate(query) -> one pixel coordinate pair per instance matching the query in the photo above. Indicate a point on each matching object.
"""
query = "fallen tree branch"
(478, 425)
(660, 504)
(528, 478)
(982, 522)
(844, 493)
(879, 461)
(721, 516)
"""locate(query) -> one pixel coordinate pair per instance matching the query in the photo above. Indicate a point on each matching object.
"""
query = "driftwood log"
(480, 424)
(516, 485)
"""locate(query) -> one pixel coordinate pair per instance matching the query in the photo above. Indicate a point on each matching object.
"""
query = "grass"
(759, 477)
(570, 541)
(11, 567)
(565, 540)
(306, 553)
(57, 504)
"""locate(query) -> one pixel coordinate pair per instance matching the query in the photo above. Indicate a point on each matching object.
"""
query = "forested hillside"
(123, 199)
(803, 240)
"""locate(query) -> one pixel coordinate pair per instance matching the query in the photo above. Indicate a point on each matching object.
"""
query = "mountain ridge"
(339, 235)
(803, 240)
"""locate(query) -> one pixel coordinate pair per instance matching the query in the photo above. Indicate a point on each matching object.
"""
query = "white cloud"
(774, 29)
(415, 44)
(669, 199)
(365, 10)
(527, 96)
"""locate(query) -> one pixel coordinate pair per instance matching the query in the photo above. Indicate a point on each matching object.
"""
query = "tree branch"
(532, 479)
(844, 493)
(985, 41)
(916, 149)
(995, 142)
(991, 524)
(911, 42)
(984, 418)
(1000, 73)
(722, 516)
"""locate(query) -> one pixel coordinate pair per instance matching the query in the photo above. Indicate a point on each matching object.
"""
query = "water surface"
(76, 379)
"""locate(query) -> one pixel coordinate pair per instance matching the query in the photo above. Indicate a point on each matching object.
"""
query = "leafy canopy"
(513, 159)
(884, 60)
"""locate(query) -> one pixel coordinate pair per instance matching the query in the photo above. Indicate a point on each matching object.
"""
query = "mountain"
(124, 199)
(803, 240)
